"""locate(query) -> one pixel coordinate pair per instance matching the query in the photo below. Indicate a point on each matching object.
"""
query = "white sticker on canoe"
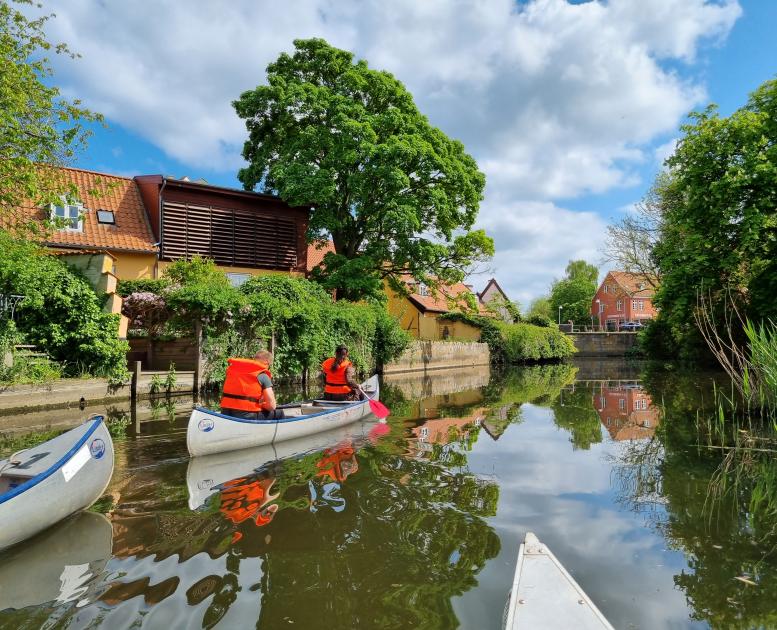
(76, 462)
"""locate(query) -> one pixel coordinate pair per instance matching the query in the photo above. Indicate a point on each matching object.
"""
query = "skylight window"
(106, 217)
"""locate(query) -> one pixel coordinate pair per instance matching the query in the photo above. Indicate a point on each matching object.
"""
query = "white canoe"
(211, 432)
(42, 485)
(545, 596)
(205, 475)
(60, 564)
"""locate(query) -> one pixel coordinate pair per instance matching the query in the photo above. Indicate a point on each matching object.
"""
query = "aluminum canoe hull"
(72, 471)
(210, 432)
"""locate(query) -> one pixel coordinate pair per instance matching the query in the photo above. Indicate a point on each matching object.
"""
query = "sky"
(568, 107)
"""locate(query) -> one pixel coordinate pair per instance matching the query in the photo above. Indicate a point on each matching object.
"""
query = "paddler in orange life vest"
(340, 377)
(248, 391)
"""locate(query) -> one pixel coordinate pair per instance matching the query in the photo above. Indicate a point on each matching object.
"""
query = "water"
(417, 524)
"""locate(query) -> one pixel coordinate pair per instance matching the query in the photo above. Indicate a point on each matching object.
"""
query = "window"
(423, 290)
(622, 404)
(605, 288)
(646, 424)
(609, 421)
(424, 432)
(640, 403)
(601, 307)
(602, 402)
(68, 215)
(106, 217)
(638, 305)
(236, 279)
(619, 305)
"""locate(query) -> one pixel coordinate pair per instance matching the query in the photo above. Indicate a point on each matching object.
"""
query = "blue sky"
(565, 107)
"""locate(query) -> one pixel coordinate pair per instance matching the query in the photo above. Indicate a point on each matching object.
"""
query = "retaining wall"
(603, 344)
(75, 392)
(436, 355)
(415, 385)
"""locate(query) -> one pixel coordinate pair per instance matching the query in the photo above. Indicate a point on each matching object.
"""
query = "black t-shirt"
(264, 380)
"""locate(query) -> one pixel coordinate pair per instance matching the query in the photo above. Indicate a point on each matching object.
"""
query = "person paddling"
(248, 391)
(340, 377)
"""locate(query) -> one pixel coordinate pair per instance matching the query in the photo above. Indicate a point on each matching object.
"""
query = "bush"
(148, 285)
(518, 343)
(539, 320)
(60, 312)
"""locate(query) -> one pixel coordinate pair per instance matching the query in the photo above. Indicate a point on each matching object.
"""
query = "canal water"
(416, 523)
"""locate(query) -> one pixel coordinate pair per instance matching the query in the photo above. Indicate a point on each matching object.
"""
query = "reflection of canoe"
(205, 475)
(42, 485)
(211, 432)
(545, 596)
(57, 565)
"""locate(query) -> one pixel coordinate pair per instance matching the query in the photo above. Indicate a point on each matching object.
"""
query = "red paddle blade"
(379, 409)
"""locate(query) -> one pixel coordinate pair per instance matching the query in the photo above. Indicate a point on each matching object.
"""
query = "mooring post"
(136, 369)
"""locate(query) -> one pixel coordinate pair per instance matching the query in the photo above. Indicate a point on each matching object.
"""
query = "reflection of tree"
(414, 539)
(574, 412)
(719, 509)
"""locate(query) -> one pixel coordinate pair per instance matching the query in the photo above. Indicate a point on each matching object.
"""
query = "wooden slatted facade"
(237, 229)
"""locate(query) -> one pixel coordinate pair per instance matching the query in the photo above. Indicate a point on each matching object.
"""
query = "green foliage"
(719, 218)
(60, 312)
(518, 343)
(573, 293)
(306, 326)
(540, 320)
(393, 191)
(11, 444)
(37, 126)
(540, 306)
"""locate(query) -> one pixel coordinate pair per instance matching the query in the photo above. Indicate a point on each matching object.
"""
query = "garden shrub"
(60, 312)
(539, 320)
(146, 285)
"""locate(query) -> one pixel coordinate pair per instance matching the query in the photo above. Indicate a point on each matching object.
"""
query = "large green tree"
(39, 129)
(719, 223)
(395, 193)
(574, 292)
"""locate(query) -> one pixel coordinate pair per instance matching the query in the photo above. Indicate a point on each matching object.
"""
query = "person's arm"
(350, 378)
(268, 395)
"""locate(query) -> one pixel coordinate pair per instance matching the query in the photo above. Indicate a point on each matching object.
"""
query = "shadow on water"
(415, 523)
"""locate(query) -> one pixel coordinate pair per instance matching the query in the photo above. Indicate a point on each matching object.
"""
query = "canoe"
(206, 475)
(212, 432)
(42, 485)
(544, 595)
(62, 564)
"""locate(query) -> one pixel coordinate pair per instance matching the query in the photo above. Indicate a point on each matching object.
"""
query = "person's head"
(265, 356)
(341, 354)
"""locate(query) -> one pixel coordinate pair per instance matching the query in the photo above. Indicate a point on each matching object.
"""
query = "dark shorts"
(353, 395)
(276, 414)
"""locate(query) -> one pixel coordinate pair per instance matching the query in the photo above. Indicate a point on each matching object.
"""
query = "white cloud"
(554, 100)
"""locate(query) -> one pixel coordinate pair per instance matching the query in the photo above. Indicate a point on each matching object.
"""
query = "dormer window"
(641, 286)
(106, 217)
(423, 290)
(68, 216)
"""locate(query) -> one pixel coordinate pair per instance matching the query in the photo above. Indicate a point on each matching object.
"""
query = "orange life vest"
(336, 383)
(242, 390)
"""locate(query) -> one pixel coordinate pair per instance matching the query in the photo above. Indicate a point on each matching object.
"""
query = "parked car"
(630, 326)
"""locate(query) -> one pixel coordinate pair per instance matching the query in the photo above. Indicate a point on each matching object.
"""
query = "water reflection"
(416, 523)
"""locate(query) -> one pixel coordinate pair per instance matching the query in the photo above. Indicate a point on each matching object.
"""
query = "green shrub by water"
(521, 342)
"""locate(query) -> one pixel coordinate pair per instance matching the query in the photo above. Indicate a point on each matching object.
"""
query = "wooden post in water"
(136, 370)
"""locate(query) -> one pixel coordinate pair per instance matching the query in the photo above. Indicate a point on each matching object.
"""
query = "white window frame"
(619, 305)
(601, 307)
(423, 290)
(622, 404)
(67, 208)
(605, 288)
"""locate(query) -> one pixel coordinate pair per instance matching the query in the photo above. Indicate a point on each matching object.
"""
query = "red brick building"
(627, 412)
(623, 297)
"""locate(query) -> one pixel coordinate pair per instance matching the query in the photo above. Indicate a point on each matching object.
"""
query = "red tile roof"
(446, 298)
(99, 191)
(316, 255)
(636, 285)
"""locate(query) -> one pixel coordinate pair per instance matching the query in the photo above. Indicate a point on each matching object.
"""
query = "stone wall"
(434, 355)
(603, 344)
(415, 385)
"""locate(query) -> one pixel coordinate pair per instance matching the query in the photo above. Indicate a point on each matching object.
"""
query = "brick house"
(622, 297)
(627, 412)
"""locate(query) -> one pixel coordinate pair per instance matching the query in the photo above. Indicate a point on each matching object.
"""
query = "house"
(623, 297)
(146, 222)
(493, 296)
(419, 312)
(627, 412)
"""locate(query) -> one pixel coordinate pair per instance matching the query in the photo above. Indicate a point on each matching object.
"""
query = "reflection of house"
(494, 297)
(627, 412)
(445, 430)
(419, 312)
(623, 297)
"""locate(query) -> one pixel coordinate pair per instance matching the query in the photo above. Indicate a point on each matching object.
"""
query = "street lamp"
(560, 306)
